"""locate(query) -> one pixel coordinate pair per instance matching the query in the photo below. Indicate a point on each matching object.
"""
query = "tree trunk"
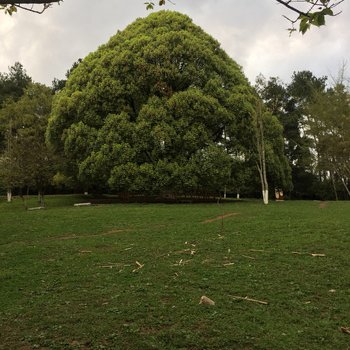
(41, 198)
(334, 187)
(345, 185)
(9, 195)
(266, 196)
(261, 164)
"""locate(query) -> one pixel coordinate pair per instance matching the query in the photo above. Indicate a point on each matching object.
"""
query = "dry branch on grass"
(82, 204)
(311, 254)
(36, 208)
(250, 299)
(345, 330)
(139, 266)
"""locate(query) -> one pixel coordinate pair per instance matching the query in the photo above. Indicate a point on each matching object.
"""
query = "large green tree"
(328, 124)
(13, 83)
(27, 161)
(160, 107)
(288, 103)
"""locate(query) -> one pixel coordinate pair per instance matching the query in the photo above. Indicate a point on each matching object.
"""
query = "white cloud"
(252, 32)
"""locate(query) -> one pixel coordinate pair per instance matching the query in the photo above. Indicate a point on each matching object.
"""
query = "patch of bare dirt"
(221, 217)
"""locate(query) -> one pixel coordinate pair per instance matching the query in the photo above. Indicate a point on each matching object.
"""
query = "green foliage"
(9, 9)
(26, 160)
(328, 124)
(13, 83)
(155, 109)
(289, 103)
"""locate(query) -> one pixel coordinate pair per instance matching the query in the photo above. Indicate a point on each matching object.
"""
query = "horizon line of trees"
(161, 110)
(315, 118)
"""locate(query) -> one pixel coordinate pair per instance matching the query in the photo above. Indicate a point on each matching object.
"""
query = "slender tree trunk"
(334, 186)
(345, 185)
(225, 192)
(9, 195)
(261, 153)
(41, 198)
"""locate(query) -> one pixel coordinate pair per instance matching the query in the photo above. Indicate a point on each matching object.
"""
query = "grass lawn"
(130, 276)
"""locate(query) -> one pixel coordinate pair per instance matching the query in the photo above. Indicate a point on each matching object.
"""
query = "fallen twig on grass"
(229, 264)
(36, 208)
(248, 257)
(182, 262)
(312, 254)
(139, 266)
(316, 254)
(345, 330)
(249, 299)
(82, 204)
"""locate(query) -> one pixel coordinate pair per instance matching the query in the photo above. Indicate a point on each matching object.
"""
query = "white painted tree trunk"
(225, 193)
(265, 194)
(237, 195)
(9, 196)
(261, 163)
(346, 187)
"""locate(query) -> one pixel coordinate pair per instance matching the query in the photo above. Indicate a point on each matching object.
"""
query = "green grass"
(69, 277)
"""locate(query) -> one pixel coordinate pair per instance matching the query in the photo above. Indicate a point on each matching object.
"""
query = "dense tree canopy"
(328, 124)
(159, 107)
(26, 161)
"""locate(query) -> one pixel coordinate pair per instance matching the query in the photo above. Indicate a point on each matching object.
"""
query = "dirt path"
(221, 217)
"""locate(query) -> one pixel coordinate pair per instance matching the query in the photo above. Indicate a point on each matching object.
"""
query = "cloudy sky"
(253, 33)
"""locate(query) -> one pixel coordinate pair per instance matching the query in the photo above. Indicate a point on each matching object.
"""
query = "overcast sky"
(253, 33)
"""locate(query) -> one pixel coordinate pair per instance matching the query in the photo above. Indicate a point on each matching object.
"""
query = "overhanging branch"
(28, 2)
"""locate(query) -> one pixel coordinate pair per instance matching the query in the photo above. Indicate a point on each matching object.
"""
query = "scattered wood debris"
(193, 245)
(317, 254)
(206, 301)
(186, 251)
(249, 299)
(85, 251)
(181, 262)
(229, 264)
(345, 330)
(139, 266)
(332, 291)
